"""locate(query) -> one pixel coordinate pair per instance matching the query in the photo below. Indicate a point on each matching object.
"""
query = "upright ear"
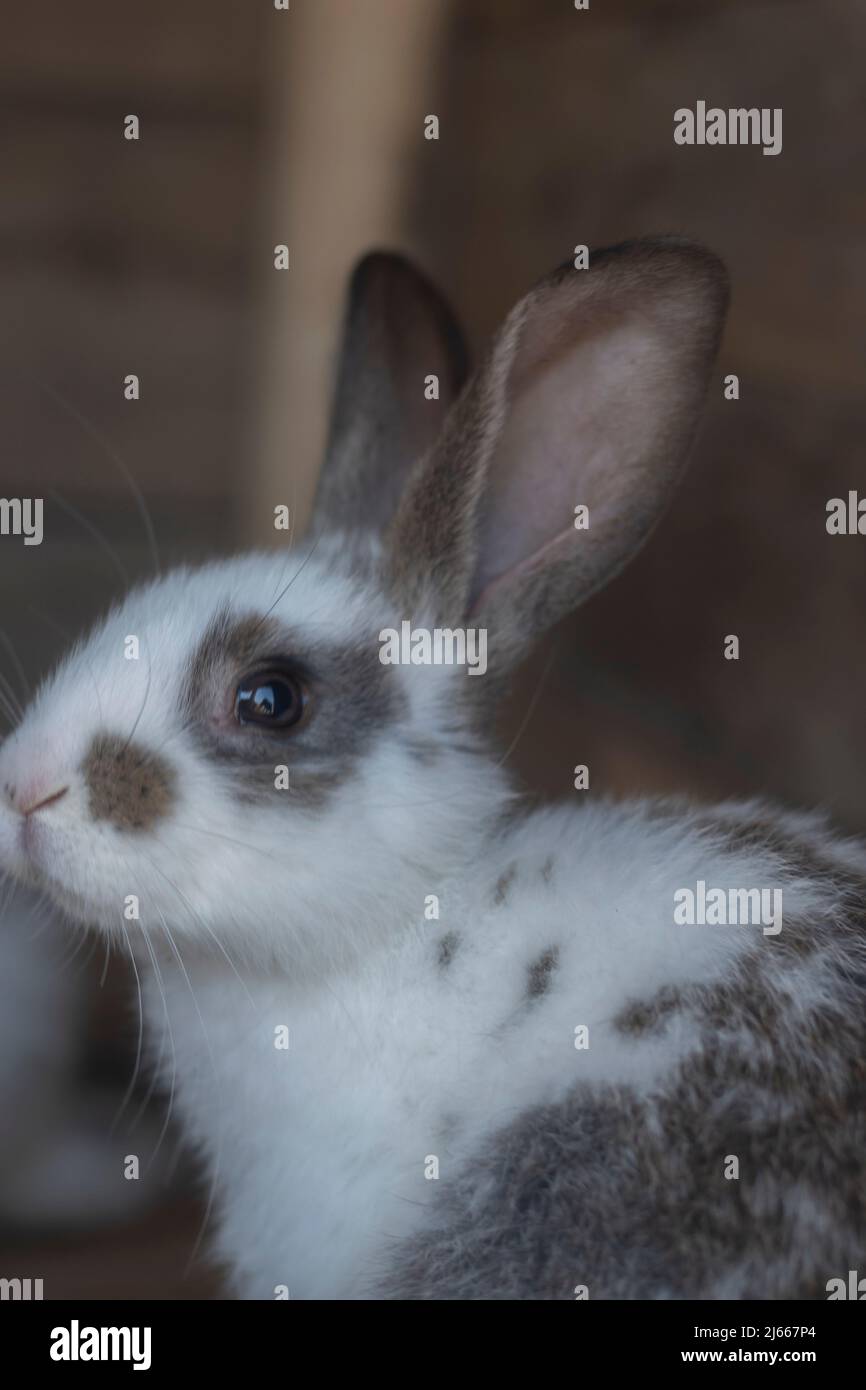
(398, 333)
(589, 398)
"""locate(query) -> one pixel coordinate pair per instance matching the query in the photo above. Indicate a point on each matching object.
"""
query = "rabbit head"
(229, 753)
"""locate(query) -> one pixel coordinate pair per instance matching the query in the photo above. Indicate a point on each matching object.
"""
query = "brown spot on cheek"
(128, 786)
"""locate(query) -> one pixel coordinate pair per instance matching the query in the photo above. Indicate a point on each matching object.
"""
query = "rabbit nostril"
(46, 801)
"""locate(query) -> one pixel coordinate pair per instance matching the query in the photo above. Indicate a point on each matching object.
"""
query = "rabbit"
(429, 1040)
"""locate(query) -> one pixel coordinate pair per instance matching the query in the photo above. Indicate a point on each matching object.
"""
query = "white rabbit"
(429, 1042)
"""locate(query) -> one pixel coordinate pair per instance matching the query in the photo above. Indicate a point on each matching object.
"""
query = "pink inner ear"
(577, 431)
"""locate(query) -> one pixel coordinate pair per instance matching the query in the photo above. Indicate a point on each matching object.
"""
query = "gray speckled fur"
(627, 1194)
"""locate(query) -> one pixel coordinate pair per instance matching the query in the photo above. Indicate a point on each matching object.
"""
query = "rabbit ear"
(398, 333)
(589, 398)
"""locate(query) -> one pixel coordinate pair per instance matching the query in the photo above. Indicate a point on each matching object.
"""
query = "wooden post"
(349, 86)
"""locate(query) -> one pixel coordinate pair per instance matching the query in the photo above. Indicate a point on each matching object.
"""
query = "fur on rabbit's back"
(625, 1188)
(435, 1132)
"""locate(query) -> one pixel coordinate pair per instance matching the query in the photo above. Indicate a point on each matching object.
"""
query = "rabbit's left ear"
(399, 334)
(560, 456)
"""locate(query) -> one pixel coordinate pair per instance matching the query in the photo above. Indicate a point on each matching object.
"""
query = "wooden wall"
(557, 129)
(120, 256)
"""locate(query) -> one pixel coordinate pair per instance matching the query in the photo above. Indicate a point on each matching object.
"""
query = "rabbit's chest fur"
(328, 1152)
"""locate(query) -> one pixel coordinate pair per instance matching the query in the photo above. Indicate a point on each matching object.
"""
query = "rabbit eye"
(273, 699)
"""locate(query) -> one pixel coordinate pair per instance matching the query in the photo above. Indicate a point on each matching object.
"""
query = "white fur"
(317, 922)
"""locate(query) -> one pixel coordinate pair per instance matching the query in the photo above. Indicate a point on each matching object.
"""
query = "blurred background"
(305, 127)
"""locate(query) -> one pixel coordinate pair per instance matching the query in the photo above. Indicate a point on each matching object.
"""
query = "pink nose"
(46, 801)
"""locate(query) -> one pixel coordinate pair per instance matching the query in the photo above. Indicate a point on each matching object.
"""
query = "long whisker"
(127, 1096)
(37, 907)
(43, 617)
(104, 974)
(174, 1160)
(230, 839)
(90, 952)
(19, 669)
(84, 936)
(92, 530)
(530, 709)
(118, 462)
(161, 986)
(215, 1172)
(197, 918)
(214, 1183)
(214, 1180)
(443, 800)
(155, 1073)
(170, 736)
(290, 542)
(302, 566)
(184, 972)
(143, 703)
(13, 715)
(10, 888)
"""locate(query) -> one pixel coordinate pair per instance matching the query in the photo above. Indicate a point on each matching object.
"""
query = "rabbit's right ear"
(398, 335)
(561, 455)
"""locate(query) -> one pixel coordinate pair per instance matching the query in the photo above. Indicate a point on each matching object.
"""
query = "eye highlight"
(272, 699)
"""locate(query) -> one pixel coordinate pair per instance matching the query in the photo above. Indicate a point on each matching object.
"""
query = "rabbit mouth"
(34, 858)
(39, 854)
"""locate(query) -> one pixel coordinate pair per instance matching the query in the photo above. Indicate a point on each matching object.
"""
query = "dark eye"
(274, 699)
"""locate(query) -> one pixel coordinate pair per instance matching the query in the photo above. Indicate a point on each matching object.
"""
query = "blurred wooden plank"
(479, 17)
(571, 122)
(80, 335)
(174, 203)
(197, 47)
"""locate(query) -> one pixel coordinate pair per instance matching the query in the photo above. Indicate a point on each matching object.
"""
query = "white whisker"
(138, 1051)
